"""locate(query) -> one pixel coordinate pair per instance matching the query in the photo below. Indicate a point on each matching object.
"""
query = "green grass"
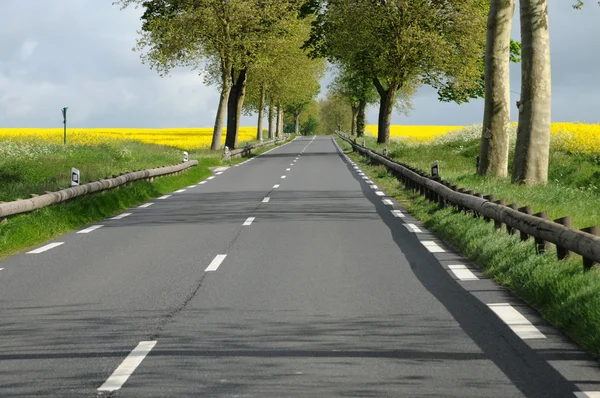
(561, 291)
(29, 229)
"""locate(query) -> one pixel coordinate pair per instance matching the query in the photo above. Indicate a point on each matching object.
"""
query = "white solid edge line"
(215, 263)
(517, 322)
(412, 228)
(275, 186)
(45, 248)
(128, 366)
(397, 213)
(587, 394)
(266, 200)
(120, 216)
(180, 190)
(462, 272)
(249, 221)
(90, 229)
(432, 246)
(145, 206)
(164, 197)
(379, 193)
(388, 202)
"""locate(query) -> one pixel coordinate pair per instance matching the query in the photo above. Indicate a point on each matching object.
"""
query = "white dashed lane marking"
(282, 176)
(90, 229)
(517, 322)
(192, 186)
(180, 190)
(388, 202)
(210, 178)
(164, 197)
(46, 248)
(379, 193)
(412, 228)
(202, 182)
(374, 186)
(432, 246)
(121, 216)
(215, 263)
(145, 205)
(219, 173)
(127, 367)
(397, 213)
(248, 221)
(266, 200)
(587, 394)
(288, 169)
(463, 273)
(275, 186)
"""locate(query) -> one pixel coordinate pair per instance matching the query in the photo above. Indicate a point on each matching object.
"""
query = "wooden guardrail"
(247, 150)
(558, 232)
(50, 198)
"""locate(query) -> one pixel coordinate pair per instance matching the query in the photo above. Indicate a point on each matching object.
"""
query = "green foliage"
(335, 114)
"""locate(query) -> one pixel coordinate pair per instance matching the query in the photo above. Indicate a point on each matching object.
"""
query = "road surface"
(290, 275)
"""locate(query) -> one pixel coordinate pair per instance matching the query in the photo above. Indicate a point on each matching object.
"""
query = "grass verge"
(29, 229)
(563, 294)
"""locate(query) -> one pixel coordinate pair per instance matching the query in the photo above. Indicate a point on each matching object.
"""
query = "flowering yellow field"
(576, 138)
(182, 138)
(415, 133)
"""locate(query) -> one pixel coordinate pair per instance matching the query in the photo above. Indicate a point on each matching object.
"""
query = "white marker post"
(185, 156)
(75, 177)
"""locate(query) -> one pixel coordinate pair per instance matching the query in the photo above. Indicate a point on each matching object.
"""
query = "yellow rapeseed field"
(576, 138)
(182, 138)
(415, 133)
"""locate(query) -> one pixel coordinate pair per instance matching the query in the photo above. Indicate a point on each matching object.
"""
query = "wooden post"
(526, 210)
(589, 263)
(489, 198)
(561, 252)
(498, 224)
(541, 246)
(511, 230)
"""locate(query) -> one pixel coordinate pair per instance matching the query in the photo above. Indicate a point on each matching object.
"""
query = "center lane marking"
(249, 221)
(46, 248)
(275, 186)
(266, 200)
(90, 229)
(120, 216)
(215, 263)
(288, 169)
(517, 322)
(127, 367)
(282, 176)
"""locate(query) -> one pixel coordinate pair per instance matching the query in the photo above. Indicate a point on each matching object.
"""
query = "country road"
(289, 275)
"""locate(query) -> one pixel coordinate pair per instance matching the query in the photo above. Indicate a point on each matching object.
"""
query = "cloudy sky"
(78, 53)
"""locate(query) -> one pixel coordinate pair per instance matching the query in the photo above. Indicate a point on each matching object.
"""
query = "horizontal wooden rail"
(247, 150)
(566, 239)
(50, 198)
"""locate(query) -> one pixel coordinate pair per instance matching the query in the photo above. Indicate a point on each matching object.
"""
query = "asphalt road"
(329, 290)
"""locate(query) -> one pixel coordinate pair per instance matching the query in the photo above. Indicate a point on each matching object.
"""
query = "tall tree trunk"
(261, 111)
(271, 120)
(234, 108)
(493, 152)
(220, 119)
(297, 123)
(533, 135)
(279, 121)
(354, 119)
(361, 118)
(386, 107)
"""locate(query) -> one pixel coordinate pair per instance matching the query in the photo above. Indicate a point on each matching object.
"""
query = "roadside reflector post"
(75, 177)
(64, 113)
(435, 169)
(185, 157)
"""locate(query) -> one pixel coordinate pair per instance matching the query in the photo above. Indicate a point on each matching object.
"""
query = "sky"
(78, 53)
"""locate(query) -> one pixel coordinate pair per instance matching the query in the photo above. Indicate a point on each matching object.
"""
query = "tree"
(493, 152)
(532, 150)
(233, 33)
(335, 114)
(398, 43)
(359, 91)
